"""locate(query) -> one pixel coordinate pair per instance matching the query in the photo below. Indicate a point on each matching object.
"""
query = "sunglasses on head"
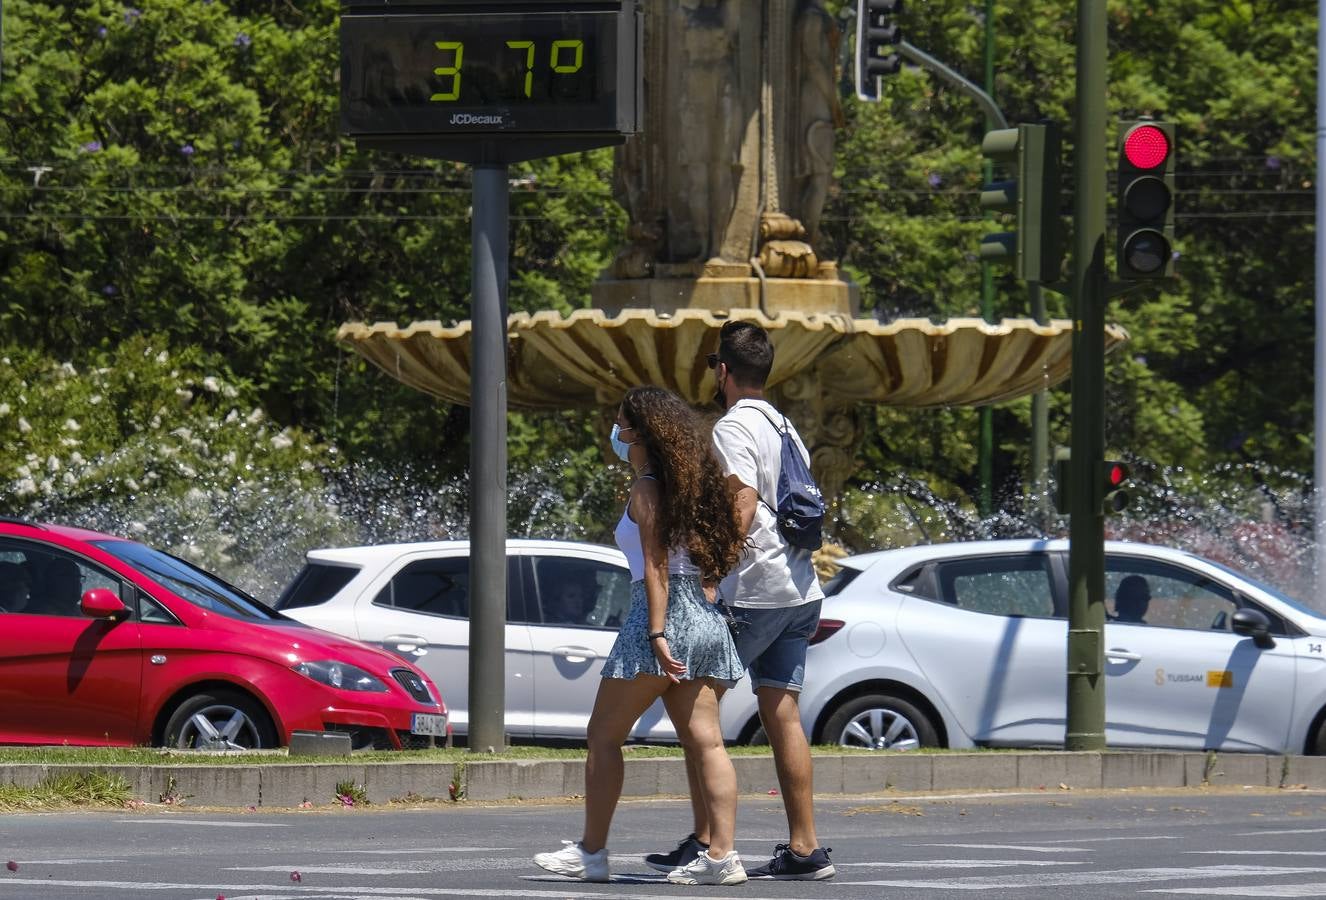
(712, 360)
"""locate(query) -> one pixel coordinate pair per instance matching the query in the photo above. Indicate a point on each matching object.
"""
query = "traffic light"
(1031, 154)
(1114, 480)
(1062, 461)
(876, 35)
(1146, 201)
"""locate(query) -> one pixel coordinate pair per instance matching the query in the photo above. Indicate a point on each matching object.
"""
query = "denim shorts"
(772, 643)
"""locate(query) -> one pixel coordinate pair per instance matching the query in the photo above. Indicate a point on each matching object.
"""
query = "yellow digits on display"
(566, 56)
(453, 70)
(528, 47)
(578, 46)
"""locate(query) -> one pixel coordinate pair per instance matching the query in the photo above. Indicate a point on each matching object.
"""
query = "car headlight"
(341, 675)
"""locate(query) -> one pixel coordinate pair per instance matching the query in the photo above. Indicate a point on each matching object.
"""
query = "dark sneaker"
(685, 853)
(788, 865)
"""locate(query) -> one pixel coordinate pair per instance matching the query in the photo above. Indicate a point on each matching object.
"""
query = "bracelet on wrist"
(655, 635)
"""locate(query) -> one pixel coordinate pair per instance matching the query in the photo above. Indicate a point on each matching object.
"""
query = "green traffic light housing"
(1062, 463)
(1031, 154)
(1114, 480)
(1145, 199)
(876, 35)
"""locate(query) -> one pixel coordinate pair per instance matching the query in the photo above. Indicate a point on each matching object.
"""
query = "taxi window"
(1020, 585)
(1149, 592)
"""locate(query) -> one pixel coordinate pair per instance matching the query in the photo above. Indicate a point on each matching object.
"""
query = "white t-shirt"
(770, 574)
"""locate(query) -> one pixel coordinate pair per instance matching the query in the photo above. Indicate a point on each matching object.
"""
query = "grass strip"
(66, 789)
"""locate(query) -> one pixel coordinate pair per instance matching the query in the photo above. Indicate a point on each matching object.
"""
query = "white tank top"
(627, 536)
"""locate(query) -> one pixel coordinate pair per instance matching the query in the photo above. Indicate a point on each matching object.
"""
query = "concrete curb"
(283, 785)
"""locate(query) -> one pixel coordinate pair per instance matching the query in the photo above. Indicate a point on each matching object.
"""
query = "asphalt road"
(1205, 843)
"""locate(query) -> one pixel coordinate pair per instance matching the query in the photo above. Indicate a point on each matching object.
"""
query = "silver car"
(963, 645)
(565, 601)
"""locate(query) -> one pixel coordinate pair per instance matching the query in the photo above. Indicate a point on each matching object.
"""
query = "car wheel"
(1318, 745)
(220, 720)
(880, 722)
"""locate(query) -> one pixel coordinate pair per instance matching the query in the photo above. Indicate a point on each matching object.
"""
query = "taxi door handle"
(1115, 653)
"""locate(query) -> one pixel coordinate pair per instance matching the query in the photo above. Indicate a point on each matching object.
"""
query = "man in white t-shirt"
(775, 598)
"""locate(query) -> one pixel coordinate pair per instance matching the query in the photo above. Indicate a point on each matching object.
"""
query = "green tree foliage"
(1219, 364)
(146, 442)
(176, 169)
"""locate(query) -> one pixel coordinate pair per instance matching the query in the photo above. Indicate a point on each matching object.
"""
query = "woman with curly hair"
(680, 535)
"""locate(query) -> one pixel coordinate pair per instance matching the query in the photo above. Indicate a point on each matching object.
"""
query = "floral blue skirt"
(697, 635)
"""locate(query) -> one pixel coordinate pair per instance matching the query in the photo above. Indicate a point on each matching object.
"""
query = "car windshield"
(1278, 594)
(190, 582)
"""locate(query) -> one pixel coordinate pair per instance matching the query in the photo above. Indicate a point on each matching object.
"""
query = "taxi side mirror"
(1253, 623)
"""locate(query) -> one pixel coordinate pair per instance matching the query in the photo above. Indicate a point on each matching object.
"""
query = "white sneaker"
(573, 862)
(706, 870)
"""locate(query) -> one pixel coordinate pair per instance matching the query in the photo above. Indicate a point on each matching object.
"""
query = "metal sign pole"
(487, 699)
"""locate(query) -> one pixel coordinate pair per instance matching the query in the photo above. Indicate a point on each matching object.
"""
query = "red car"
(105, 641)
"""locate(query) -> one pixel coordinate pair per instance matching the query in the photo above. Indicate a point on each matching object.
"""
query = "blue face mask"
(619, 446)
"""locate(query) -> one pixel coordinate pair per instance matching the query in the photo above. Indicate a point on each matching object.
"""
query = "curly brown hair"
(697, 512)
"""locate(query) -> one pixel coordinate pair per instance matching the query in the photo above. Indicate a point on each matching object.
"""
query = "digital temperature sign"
(449, 70)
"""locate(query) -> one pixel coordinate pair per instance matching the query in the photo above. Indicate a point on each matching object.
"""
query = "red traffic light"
(1116, 473)
(1146, 147)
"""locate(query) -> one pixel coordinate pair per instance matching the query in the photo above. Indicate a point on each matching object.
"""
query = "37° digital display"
(533, 72)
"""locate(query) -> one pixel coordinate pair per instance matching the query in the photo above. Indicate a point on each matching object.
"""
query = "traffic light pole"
(987, 288)
(1086, 554)
(928, 62)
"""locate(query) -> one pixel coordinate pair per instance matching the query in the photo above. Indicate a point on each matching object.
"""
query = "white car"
(565, 601)
(964, 645)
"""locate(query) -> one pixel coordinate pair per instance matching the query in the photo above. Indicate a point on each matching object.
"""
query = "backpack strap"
(783, 433)
(786, 427)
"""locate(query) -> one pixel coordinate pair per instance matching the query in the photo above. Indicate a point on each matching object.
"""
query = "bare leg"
(699, 814)
(619, 703)
(693, 708)
(782, 722)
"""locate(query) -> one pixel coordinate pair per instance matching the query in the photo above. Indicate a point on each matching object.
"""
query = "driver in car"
(15, 586)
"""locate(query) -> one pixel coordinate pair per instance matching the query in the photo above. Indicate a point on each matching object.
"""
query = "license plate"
(428, 723)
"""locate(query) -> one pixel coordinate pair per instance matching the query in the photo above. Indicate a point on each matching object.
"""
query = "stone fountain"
(724, 188)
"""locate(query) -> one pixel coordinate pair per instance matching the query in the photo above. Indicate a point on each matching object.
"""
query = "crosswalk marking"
(309, 892)
(1262, 890)
(1117, 876)
(1122, 837)
(171, 823)
(1258, 852)
(956, 863)
(405, 852)
(1025, 848)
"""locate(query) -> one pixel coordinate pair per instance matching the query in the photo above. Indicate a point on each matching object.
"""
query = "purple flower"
(242, 41)
(103, 31)
(110, 290)
(1272, 162)
(131, 14)
(187, 149)
(91, 147)
(935, 180)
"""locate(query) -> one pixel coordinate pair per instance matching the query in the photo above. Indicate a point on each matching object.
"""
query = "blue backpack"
(800, 509)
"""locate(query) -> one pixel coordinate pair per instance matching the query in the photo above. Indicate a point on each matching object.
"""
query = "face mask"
(619, 446)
